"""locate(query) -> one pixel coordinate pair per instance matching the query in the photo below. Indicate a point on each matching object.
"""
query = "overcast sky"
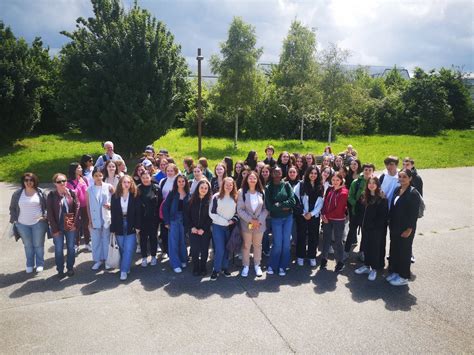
(429, 34)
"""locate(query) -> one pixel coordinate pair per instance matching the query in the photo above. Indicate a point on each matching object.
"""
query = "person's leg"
(247, 243)
(338, 236)
(313, 237)
(85, 225)
(121, 243)
(393, 262)
(164, 238)
(153, 237)
(405, 256)
(39, 232)
(352, 235)
(266, 236)
(104, 243)
(204, 250)
(327, 238)
(382, 252)
(277, 231)
(225, 260)
(218, 236)
(58, 252)
(143, 237)
(183, 252)
(70, 244)
(173, 240)
(301, 230)
(195, 250)
(257, 247)
(286, 242)
(26, 234)
(129, 246)
(96, 234)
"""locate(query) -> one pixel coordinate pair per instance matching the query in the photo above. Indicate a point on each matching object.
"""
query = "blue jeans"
(176, 246)
(281, 230)
(127, 245)
(266, 236)
(33, 241)
(220, 236)
(59, 253)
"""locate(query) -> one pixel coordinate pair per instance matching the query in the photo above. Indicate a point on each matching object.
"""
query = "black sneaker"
(214, 276)
(324, 263)
(61, 275)
(339, 267)
(70, 272)
(226, 273)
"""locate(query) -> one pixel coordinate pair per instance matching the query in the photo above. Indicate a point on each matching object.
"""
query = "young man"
(109, 155)
(269, 151)
(416, 180)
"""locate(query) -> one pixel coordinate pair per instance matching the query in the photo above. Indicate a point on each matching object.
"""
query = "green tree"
(123, 76)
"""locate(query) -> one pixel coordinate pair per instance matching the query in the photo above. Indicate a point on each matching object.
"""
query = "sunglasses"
(60, 181)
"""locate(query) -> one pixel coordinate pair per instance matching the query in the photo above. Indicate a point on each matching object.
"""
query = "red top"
(335, 204)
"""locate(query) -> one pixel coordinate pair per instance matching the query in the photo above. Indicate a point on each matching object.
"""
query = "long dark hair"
(245, 183)
(367, 198)
(230, 165)
(175, 184)
(195, 196)
(106, 172)
(307, 187)
(240, 178)
(250, 160)
(71, 173)
(84, 159)
(260, 176)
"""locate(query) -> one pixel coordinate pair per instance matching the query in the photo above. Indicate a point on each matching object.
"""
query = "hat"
(163, 151)
(146, 163)
(149, 148)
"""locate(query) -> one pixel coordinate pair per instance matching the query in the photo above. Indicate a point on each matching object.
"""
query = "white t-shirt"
(30, 209)
(124, 203)
(254, 201)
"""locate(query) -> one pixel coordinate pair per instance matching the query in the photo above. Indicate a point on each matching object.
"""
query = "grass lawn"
(47, 154)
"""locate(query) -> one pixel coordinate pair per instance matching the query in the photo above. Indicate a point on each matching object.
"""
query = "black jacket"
(197, 215)
(416, 181)
(149, 198)
(373, 216)
(133, 215)
(404, 213)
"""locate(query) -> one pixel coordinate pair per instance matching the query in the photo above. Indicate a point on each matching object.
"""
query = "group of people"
(268, 205)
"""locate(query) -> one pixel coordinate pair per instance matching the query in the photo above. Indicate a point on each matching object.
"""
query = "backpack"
(421, 209)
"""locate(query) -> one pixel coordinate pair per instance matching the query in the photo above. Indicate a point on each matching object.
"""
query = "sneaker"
(391, 276)
(282, 272)
(300, 261)
(108, 267)
(39, 269)
(399, 281)
(177, 270)
(97, 265)
(144, 262)
(183, 265)
(372, 275)
(61, 275)
(139, 249)
(89, 247)
(313, 262)
(226, 273)
(153, 261)
(214, 275)
(245, 271)
(339, 267)
(361, 256)
(258, 271)
(269, 270)
(123, 276)
(413, 259)
(70, 272)
(362, 270)
(324, 263)
(29, 269)
(331, 250)
(76, 249)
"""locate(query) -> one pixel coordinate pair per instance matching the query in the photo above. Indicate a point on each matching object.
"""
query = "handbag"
(113, 256)
(68, 222)
(234, 244)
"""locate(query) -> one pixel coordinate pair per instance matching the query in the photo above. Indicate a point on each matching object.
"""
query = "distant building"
(469, 82)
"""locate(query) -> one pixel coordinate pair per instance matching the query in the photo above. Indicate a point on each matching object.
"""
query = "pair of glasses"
(60, 181)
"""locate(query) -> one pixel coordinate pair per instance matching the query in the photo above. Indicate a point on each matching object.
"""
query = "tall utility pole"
(199, 108)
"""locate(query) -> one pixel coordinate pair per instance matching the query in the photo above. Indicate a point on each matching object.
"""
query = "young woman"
(239, 165)
(121, 167)
(292, 177)
(326, 177)
(63, 217)
(355, 168)
(280, 201)
(149, 195)
(229, 163)
(188, 164)
(28, 214)
(269, 160)
(223, 214)
(264, 175)
(243, 174)
(333, 216)
(198, 176)
(252, 214)
(326, 163)
(309, 193)
(260, 165)
(87, 164)
(98, 210)
(173, 219)
(284, 163)
(139, 169)
(111, 173)
(265, 179)
(79, 185)
(251, 160)
(372, 212)
(199, 223)
(338, 163)
(205, 166)
(126, 221)
(160, 175)
(310, 159)
(328, 152)
(403, 217)
(220, 173)
(301, 166)
(166, 186)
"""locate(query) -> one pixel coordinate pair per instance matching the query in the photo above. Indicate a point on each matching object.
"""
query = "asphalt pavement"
(308, 311)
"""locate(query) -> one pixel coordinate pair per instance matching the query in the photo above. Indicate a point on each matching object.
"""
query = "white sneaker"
(123, 276)
(183, 265)
(245, 271)
(269, 270)
(258, 271)
(108, 267)
(144, 262)
(282, 272)
(372, 275)
(300, 261)
(399, 281)
(362, 270)
(391, 277)
(29, 269)
(177, 270)
(313, 262)
(153, 261)
(39, 269)
(89, 247)
(76, 249)
(97, 265)
(139, 250)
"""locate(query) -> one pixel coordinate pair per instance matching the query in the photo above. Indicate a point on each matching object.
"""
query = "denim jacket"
(170, 207)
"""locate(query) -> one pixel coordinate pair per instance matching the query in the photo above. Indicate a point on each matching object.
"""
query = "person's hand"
(231, 222)
(167, 226)
(194, 230)
(57, 234)
(137, 230)
(107, 206)
(73, 228)
(406, 233)
(308, 216)
(200, 231)
(325, 220)
(111, 189)
(255, 224)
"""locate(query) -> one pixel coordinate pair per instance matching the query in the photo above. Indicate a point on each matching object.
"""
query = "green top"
(355, 191)
(279, 199)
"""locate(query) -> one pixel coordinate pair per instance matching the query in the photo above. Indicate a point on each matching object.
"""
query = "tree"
(22, 80)
(123, 76)
(237, 69)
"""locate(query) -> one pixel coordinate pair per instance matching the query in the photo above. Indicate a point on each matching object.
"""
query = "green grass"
(452, 148)
(48, 154)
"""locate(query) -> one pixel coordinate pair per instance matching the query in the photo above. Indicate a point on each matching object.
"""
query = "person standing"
(280, 201)
(403, 217)
(63, 217)
(220, 173)
(111, 173)
(126, 221)
(28, 214)
(269, 152)
(109, 155)
(416, 180)
(284, 163)
(166, 185)
(87, 164)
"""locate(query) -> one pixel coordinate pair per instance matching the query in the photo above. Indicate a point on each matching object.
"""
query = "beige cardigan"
(246, 214)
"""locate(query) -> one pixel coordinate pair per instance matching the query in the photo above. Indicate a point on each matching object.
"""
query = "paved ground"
(306, 312)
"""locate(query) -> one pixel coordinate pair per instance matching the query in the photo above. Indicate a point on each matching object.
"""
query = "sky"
(429, 34)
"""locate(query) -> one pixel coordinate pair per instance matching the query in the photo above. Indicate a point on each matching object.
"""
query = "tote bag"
(113, 258)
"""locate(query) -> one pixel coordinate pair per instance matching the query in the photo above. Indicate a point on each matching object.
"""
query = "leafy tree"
(394, 82)
(123, 76)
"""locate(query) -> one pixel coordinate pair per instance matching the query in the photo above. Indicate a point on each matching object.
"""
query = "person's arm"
(216, 218)
(138, 214)
(381, 216)
(241, 210)
(53, 223)
(290, 202)
(317, 207)
(14, 207)
(269, 204)
(88, 209)
(413, 206)
(166, 209)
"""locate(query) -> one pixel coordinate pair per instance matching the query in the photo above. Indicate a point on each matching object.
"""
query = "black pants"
(372, 242)
(352, 234)
(164, 238)
(307, 232)
(200, 250)
(149, 233)
(400, 254)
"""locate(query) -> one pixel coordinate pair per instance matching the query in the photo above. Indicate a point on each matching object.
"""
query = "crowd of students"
(269, 205)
